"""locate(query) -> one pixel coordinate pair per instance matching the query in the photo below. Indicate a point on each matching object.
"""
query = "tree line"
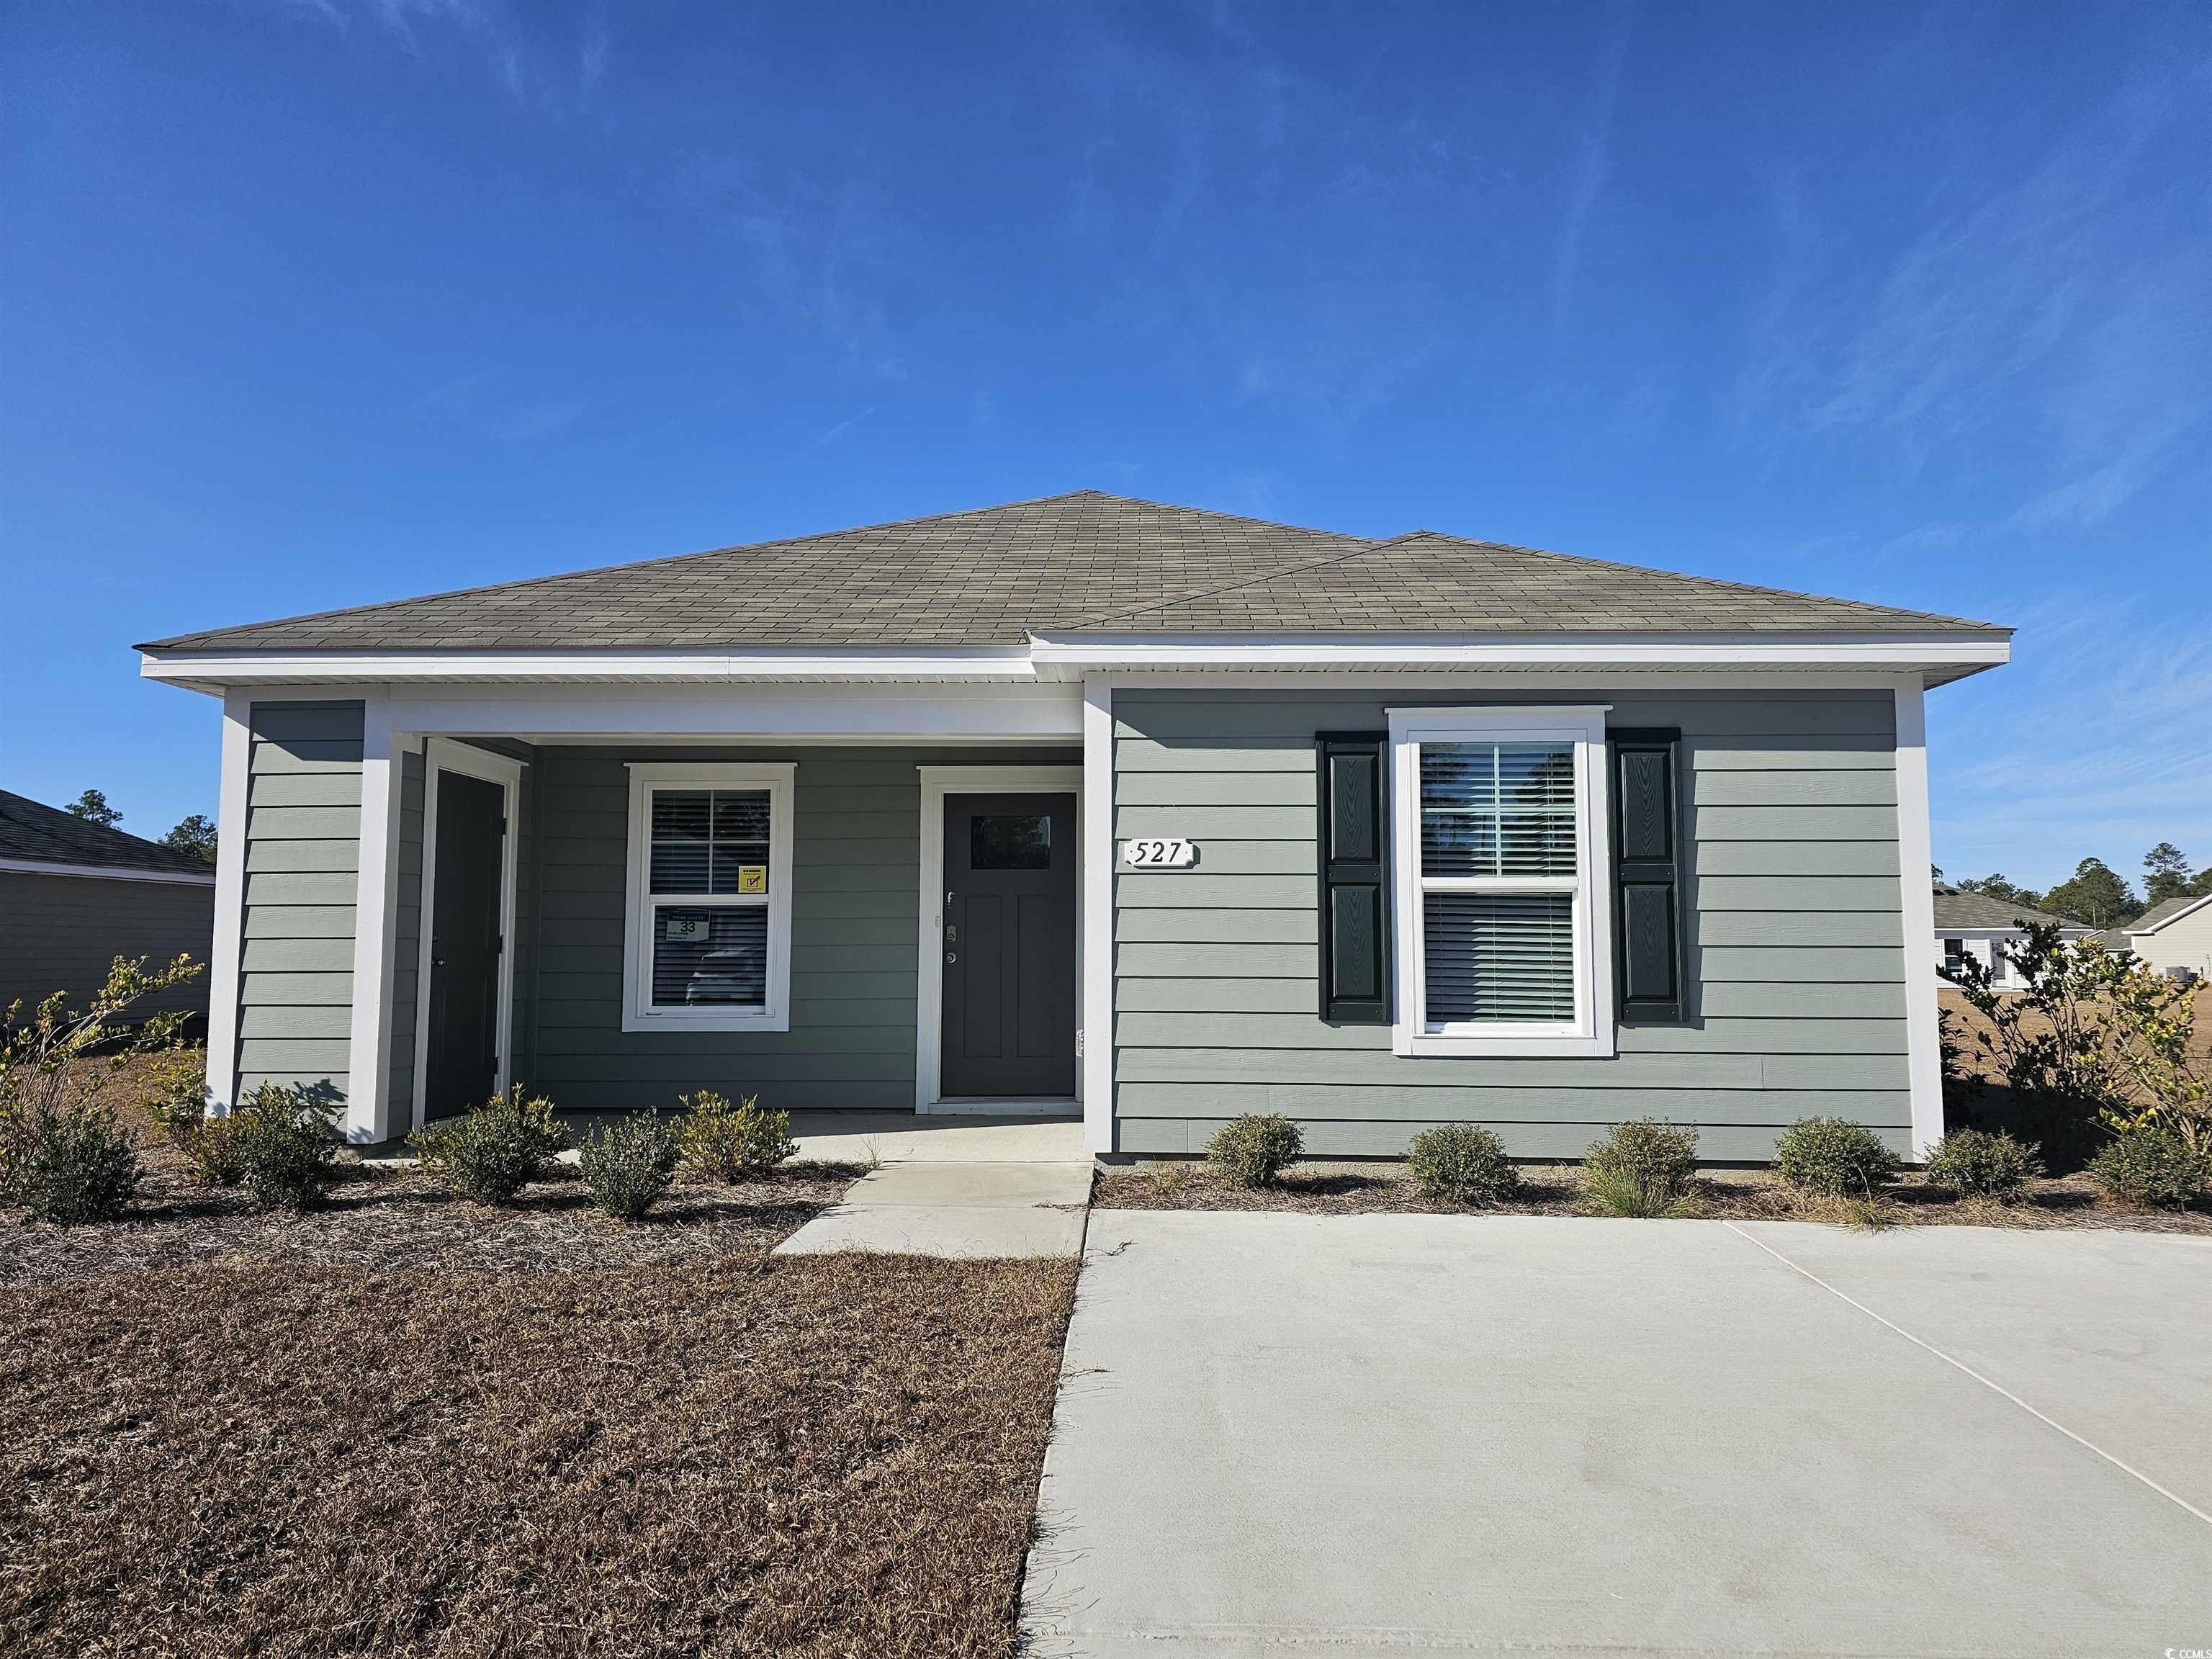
(195, 834)
(2098, 895)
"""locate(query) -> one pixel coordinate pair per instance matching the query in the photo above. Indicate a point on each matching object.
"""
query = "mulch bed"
(1722, 1194)
(818, 1455)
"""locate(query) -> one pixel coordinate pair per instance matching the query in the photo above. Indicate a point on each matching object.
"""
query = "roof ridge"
(1684, 575)
(1230, 588)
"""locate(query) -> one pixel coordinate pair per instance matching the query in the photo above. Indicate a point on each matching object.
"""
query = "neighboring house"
(1093, 806)
(75, 896)
(2173, 936)
(1976, 925)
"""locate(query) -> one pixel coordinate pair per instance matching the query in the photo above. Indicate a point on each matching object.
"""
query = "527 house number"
(1171, 853)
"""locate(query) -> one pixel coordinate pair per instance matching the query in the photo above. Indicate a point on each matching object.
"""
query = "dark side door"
(462, 1051)
(1009, 945)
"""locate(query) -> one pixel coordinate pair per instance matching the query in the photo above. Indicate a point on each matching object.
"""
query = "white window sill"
(1491, 1045)
(704, 1020)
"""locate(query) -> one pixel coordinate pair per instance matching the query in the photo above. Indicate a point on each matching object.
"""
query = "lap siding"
(1796, 937)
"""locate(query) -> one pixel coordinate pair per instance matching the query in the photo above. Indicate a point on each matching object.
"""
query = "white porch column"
(1098, 915)
(227, 947)
(368, 1115)
(1916, 858)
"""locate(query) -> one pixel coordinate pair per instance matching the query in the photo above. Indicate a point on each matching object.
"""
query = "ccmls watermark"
(2189, 1653)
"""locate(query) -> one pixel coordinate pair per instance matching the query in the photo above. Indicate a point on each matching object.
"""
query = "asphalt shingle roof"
(2159, 912)
(39, 834)
(1956, 910)
(994, 576)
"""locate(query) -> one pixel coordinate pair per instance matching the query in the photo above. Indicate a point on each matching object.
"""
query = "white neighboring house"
(1976, 925)
(2173, 936)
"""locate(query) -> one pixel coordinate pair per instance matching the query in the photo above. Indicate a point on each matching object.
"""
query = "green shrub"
(628, 1165)
(490, 1154)
(281, 1139)
(216, 1152)
(1976, 1163)
(1833, 1155)
(723, 1142)
(174, 1093)
(73, 1164)
(1254, 1150)
(1460, 1163)
(2150, 1166)
(1642, 1168)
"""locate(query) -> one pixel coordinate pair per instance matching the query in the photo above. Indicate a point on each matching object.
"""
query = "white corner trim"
(368, 1062)
(938, 782)
(1915, 857)
(1593, 1034)
(99, 872)
(227, 949)
(443, 755)
(1095, 921)
(780, 779)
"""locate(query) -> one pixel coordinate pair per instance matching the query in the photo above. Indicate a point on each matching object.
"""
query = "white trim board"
(1096, 923)
(95, 872)
(226, 950)
(938, 782)
(1915, 859)
(443, 755)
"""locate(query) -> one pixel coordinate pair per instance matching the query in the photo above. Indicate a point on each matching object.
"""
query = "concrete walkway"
(1386, 1434)
(937, 1206)
(909, 1137)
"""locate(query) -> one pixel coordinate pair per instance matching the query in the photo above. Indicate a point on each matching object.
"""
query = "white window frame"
(1591, 1032)
(639, 1014)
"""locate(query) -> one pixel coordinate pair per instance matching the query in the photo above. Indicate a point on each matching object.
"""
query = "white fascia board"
(1886, 652)
(455, 667)
(98, 872)
(1016, 712)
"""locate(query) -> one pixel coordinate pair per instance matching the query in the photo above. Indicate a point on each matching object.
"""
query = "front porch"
(882, 934)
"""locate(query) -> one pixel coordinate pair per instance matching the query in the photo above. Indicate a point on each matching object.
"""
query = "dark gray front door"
(462, 1051)
(1009, 945)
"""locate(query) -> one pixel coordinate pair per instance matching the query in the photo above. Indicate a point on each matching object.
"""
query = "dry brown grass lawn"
(819, 1456)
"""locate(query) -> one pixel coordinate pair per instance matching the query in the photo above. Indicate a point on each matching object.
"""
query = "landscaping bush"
(2151, 1166)
(1833, 1155)
(1976, 1163)
(215, 1151)
(1460, 1163)
(1642, 1168)
(73, 1165)
(490, 1154)
(629, 1164)
(723, 1142)
(280, 1139)
(173, 1092)
(1254, 1150)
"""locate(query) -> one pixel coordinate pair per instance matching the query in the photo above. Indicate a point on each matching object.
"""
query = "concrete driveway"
(1282, 1435)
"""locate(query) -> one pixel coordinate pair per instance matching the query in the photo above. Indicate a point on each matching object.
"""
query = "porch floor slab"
(912, 1137)
(936, 1207)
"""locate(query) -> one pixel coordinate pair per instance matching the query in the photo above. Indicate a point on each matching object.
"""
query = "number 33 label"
(1165, 854)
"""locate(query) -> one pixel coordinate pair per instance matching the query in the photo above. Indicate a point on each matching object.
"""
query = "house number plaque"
(1168, 853)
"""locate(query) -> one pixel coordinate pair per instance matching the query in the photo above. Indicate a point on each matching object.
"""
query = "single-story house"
(76, 895)
(1978, 926)
(1093, 806)
(2173, 936)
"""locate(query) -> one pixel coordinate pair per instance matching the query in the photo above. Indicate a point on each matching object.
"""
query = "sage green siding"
(855, 900)
(1796, 937)
(64, 932)
(302, 864)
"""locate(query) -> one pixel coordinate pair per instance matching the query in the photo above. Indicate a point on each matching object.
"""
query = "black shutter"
(1649, 955)
(1355, 876)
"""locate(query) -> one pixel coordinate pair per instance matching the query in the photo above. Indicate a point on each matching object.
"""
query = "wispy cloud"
(840, 429)
(1592, 161)
(518, 49)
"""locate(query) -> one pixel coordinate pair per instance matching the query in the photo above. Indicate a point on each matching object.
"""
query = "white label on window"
(686, 930)
(1170, 854)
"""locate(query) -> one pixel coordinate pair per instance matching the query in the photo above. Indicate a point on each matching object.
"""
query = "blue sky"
(310, 302)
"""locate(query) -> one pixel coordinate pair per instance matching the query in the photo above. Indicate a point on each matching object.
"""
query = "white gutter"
(1380, 651)
(104, 873)
(298, 668)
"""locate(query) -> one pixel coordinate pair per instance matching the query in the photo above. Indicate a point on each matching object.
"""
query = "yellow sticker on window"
(752, 878)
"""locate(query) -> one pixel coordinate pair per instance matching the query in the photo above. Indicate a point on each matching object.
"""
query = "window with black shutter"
(1649, 953)
(1353, 833)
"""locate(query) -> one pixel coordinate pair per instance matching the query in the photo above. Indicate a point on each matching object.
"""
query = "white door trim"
(444, 754)
(938, 782)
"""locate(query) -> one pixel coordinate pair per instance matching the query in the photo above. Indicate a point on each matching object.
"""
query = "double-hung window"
(708, 898)
(1501, 878)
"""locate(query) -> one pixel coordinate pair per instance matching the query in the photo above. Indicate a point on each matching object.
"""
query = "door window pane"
(1009, 841)
(709, 955)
